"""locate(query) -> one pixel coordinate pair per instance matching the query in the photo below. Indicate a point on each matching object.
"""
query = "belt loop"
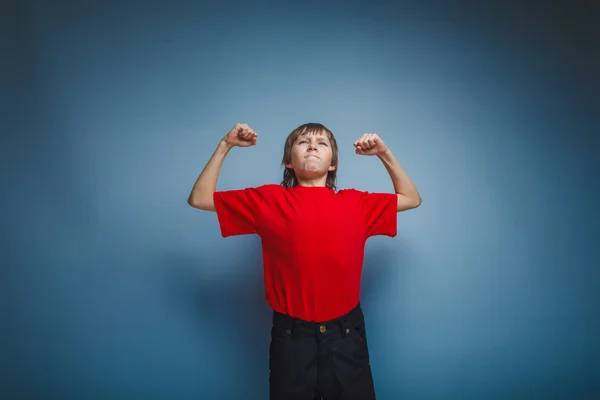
(293, 327)
(356, 315)
(345, 325)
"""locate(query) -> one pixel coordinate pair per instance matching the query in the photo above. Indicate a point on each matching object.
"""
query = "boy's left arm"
(370, 144)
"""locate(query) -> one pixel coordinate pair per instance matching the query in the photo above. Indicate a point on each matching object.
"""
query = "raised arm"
(408, 195)
(201, 197)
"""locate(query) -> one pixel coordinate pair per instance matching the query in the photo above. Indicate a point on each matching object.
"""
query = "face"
(311, 155)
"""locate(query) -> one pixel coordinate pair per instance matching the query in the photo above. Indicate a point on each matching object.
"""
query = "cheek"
(296, 155)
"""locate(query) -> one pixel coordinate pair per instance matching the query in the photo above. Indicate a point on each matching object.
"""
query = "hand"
(241, 135)
(370, 144)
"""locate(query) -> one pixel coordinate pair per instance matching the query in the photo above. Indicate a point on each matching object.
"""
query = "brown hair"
(289, 176)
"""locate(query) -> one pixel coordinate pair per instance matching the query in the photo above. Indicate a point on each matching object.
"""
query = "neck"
(313, 182)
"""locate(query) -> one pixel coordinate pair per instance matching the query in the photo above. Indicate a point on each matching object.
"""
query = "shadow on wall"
(231, 309)
(385, 259)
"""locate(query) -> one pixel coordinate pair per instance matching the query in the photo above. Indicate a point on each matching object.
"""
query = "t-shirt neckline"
(311, 187)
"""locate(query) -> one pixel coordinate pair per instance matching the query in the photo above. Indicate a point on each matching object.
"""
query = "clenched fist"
(370, 144)
(241, 135)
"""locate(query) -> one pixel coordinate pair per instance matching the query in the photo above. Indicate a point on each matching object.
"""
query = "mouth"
(312, 155)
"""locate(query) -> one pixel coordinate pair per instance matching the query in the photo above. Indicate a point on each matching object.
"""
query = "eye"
(303, 141)
(323, 143)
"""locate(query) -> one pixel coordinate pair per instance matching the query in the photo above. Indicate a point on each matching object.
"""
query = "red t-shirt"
(313, 241)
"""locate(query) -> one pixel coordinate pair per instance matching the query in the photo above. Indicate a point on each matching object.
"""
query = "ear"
(331, 168)
(288, 165)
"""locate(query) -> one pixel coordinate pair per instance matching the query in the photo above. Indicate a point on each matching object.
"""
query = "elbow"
(418, 201)
(408, 202)
(201, 204)
(193, 202)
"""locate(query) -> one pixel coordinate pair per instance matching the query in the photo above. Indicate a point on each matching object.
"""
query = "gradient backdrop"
(113, 287)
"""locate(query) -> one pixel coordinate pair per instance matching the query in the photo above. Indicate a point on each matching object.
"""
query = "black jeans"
(329, 360)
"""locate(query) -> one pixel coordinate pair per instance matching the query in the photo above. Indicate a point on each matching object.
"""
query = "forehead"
(318, 134)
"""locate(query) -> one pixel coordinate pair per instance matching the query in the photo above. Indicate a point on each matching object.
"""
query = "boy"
(313, 242)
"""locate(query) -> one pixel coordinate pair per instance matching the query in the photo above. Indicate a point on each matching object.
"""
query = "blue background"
(113, 287)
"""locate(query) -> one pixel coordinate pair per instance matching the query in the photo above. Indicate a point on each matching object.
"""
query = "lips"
(312, 155)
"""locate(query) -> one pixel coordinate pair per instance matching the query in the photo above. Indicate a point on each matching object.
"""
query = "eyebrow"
(319, 136)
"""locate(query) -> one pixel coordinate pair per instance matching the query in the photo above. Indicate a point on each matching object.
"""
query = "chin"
(313, 172)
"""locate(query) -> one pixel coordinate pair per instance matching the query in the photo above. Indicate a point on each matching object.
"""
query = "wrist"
(387, 153)
(224, 145)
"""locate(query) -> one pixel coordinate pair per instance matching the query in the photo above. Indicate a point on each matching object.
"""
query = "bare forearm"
(403, 185)
(202, 193)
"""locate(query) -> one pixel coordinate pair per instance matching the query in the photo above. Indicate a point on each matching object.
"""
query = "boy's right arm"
(241, 135)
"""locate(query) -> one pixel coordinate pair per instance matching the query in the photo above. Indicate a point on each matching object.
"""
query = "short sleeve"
(238, 211)
(380, 211)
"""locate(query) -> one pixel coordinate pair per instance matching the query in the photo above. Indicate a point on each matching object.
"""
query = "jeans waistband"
(353, 318)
